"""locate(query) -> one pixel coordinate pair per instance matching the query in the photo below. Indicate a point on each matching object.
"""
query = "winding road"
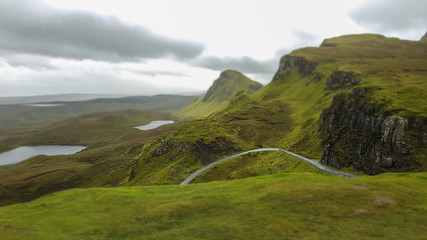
(310, 161)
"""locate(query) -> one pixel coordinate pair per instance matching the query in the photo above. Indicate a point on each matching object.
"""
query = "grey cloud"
(249, 65)
(156, 73)
(392, 15)
(305, 39)
(30, 61)
(246, 65)
(60, 82)
(29, 27)
(279, 53)
(305, 36)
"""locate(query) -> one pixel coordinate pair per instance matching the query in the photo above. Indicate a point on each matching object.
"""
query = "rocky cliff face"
(355, 131)
(305, 68)
(340, 80)
(367, 137)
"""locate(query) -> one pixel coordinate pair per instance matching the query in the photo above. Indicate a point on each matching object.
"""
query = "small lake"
(22, 153)
(44, 104)
(155, 124)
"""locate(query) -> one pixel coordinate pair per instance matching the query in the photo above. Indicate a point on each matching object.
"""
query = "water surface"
(155, 124)
(44, 104)
(22, 153)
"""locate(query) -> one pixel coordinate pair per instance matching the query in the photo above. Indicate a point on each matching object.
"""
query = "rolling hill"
(284, 206)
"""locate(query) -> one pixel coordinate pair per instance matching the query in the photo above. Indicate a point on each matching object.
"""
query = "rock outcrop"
(366, 136)
(305, 68)
(211, 151)
(340, 80)
(204, 152)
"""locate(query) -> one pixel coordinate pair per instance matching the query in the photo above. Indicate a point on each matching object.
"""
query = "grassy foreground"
(284, 206)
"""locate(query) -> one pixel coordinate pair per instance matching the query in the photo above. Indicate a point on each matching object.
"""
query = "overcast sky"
(167, 46)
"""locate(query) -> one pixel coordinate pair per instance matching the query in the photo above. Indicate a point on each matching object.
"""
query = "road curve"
(310, 161)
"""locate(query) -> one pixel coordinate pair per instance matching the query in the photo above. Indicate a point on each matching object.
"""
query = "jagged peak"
(228, 84)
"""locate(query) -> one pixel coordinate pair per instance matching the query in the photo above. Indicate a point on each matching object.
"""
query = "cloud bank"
(393, 15)
(46, 50)
(28, 27)
(245, 64)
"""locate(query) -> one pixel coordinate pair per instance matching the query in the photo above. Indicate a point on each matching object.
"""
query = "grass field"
(283, 206)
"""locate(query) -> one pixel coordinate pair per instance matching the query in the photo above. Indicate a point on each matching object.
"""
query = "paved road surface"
(311, 161)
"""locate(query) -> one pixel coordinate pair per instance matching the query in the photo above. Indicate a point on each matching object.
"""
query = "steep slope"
(221, 92)
(370, 106)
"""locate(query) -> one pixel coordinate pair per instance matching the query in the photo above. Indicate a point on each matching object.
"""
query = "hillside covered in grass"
(356, 102)
(219, 95)
(284, 206)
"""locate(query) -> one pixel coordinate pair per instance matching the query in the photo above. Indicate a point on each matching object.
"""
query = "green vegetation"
(398, 68)
(201, 109)
(219, 95)
(284, 206)
(113, 144)
(4, 148)
(256, 164)
(170, 159)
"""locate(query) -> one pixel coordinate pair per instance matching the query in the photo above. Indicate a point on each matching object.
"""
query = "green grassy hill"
(284, 206)
(219, 95)
(356, 102)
